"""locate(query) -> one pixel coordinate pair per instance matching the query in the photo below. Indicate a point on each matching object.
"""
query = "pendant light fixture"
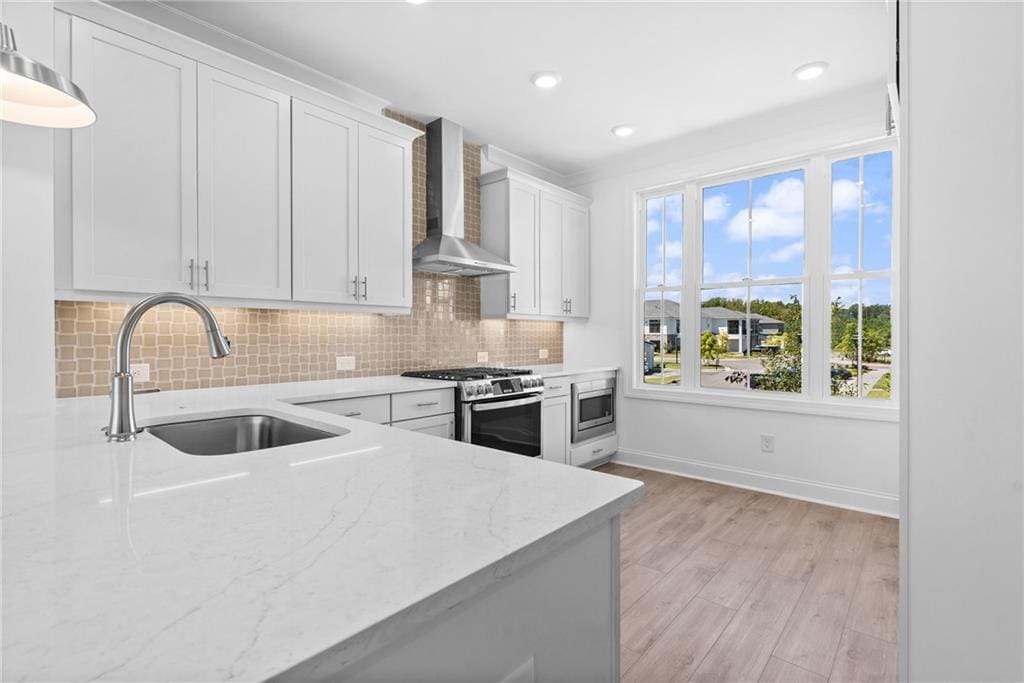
(36, 95)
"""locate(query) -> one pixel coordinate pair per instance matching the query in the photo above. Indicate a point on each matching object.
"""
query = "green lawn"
(882, 388)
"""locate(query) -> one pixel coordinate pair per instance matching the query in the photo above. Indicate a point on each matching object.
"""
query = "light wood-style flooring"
(725, 584)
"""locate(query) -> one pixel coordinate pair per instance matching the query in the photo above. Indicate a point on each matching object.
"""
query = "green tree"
(708, 347)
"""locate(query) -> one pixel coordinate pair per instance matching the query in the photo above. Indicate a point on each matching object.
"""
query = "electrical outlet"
(543, 354)
(767, 443)
(140, 372)
(345, 363)
(481, 356)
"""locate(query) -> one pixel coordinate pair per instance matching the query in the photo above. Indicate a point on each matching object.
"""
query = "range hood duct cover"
(445, 250)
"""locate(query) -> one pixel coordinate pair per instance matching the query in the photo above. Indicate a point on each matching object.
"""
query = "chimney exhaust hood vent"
(446, 250)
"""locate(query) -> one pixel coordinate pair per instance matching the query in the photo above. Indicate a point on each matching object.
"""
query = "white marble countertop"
(135, 561)
(565, 371)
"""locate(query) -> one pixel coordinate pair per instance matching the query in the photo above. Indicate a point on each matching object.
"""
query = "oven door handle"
(498, 405)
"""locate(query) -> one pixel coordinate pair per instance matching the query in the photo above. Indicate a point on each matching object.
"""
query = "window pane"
(723, 339)
(878, 211)
(861, 361)
(726, 232)
(777, 225)
(876, 344)
(845, 358)
(654, 339)
(655, 241)
(776, 337)
(674, 239)
(845, 215)
(668, 355)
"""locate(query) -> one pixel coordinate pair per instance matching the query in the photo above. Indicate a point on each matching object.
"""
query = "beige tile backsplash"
(268, 346)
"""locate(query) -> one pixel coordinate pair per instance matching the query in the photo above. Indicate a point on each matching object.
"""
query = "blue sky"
(775, 203)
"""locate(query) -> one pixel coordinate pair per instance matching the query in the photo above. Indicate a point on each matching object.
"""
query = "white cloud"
(779, 212)
(654, 224)
(786, 253)
(845, 195)
(673, 249)
(715, 207)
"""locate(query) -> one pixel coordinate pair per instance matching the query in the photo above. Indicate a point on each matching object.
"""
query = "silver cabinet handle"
(355, 288)
(364, 288)
(354, 413)
(513, 301)
(554, 387)
(427, 405)
(596, 451)
(206, 271)
(191, 274)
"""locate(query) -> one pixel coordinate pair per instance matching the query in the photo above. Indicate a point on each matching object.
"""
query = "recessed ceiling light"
(808, 72)
(546, 79)
(623, 130)
(415, 2)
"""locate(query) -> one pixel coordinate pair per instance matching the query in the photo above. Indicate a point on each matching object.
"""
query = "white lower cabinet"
(369, 408)
(554, 440)
(437, 425)
(591, 451)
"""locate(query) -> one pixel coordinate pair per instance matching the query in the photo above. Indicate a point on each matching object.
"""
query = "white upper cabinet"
(385, 218)
(544, 231)
(133, 172)
(324, 205)
(225, 180)
(575, 264)
(244, 188)
(509, 229)
(552, 299)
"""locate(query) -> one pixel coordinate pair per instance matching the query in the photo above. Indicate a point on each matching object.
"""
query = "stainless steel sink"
(237, 434)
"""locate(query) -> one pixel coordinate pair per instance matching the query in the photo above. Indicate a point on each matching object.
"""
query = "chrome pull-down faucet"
(122, 425)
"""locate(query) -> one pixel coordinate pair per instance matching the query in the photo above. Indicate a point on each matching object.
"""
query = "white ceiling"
(669, 68)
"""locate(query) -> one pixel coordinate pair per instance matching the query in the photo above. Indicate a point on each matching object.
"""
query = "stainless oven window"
(512, 426)
(595, 408)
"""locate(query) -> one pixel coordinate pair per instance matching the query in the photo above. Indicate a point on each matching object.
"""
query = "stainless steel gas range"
(495, 407)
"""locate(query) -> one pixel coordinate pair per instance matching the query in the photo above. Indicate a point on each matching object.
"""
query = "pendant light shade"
(36, 95)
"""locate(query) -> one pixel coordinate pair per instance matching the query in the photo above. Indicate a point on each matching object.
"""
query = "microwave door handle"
(498, 405)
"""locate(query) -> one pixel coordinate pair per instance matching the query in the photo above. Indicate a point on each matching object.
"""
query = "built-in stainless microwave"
(593, 409)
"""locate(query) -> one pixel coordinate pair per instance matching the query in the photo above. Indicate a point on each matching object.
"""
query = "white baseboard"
(862, 500)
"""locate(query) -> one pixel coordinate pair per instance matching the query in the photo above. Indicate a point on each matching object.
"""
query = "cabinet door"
(575, 260)
(324, 209)
(522, 249)
(244, 188)
(552, 301)
(134, 170)
(554, 427)
(385, 219)
(439, 425)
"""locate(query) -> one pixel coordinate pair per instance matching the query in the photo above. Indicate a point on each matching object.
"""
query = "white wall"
(26, 222)
(963, 539)
(842, 461)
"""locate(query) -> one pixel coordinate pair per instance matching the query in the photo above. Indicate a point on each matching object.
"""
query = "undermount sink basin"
(237, 434)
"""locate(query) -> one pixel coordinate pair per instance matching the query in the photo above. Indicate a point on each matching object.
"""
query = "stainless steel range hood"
(445, 250)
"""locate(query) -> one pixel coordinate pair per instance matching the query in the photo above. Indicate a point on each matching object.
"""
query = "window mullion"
(689, 291)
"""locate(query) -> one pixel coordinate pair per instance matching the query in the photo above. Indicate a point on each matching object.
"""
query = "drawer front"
(370, 408)
(422, 404)
(556, 386)
(437, 425)
(597, 449)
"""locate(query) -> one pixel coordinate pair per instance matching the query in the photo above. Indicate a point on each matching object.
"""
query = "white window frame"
(815, 397)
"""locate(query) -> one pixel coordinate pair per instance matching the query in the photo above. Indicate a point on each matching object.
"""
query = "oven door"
(593, 413)
(511, 425)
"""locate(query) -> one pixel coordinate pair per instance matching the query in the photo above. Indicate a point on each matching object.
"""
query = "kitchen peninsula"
(379, 554)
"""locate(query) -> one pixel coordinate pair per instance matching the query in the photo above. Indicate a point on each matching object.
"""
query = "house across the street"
(661, 321)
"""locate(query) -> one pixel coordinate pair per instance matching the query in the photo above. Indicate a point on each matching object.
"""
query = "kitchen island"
(380, 554)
